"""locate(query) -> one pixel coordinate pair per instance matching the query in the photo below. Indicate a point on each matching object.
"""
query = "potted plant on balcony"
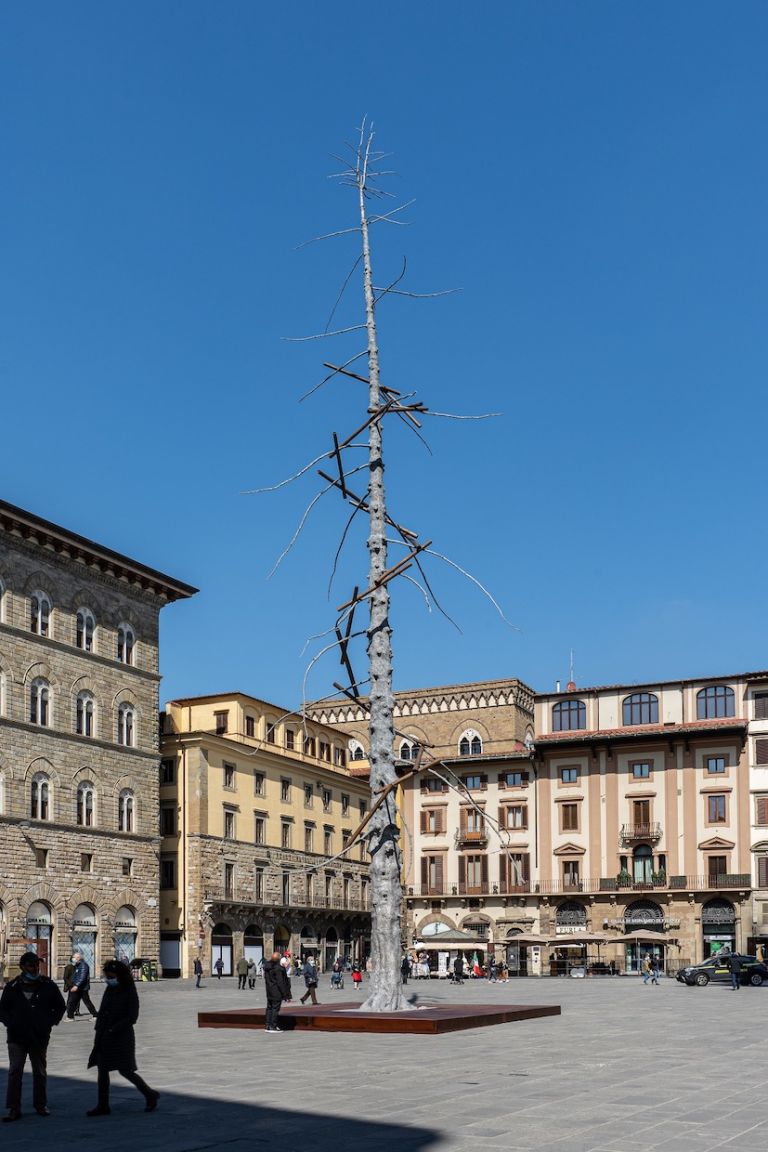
(623, 879)
(659, 878)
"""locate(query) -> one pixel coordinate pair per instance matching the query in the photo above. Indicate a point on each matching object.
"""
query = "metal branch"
(469, 576)
(298, 531)
(335, 372)
(290, 479)
(347, 279)
(327, 236)
(323, 335)
(453, 416)
(423, 591)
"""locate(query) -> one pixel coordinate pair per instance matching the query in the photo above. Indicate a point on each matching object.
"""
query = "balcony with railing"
(584, 885)
(470, 838)
(241, 895)
(649, 830)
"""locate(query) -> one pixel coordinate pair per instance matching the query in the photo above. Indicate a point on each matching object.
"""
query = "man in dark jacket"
(278, 989)
(734, 964)
(30, 1006)
(81, 983)
(310, 979)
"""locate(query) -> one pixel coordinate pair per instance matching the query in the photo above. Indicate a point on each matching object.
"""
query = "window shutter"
(502, 817)
(503, 872)
(525, 867)
(484, 867)
(462, 869)
(762, 871)
(423, 820)
(441, 821)
(761, 705)
(483, 781)
(463, 820)
(439, 873)
(525, 816)
(761, 751)
(424, 873)
(761, 810)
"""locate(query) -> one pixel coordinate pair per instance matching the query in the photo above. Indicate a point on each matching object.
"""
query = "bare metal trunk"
(386, 994)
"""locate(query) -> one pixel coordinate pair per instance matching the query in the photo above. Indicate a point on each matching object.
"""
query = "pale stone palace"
(631, 818)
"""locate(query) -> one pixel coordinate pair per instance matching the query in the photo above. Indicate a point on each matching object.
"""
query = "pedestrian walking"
(646, 968)
(30, 1006)
(114, 1048)
(197, 967)
(69, 971)
(357, 975)
(734, 964)
(458, 970)
(242, 972)
(310, 979)
(493, 971)
(655, 971)
(81, 983)
(405, 968)
(278, 989)
(251, 973)
(218, 968)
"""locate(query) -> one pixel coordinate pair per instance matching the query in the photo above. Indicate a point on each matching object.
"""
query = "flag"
(476, 969)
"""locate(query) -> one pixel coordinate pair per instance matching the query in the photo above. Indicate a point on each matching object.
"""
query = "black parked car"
(753, 971)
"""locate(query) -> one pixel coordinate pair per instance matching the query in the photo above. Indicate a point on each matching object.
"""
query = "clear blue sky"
(593, 176)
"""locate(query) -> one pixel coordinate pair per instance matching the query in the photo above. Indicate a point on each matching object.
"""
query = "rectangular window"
(516, 816)
(345, 835)
(476, 872)
(309, 837)
(328, 841)
(569, 775)
(229, 825)
(328, 887)
(229, 776)
(432, 875)
(229, 880)
(762, 871)
(258, 783)
(475, 782)
(761, 705)
(270, 733)
(260, 830)
(326, 799)
(716, 765)
(514, 871)
(285, 790)
(309, 795)
(286, 888)
(258, 884)
(716, 866)
(432, 784)
(571, 874)
(761, 752)
(285, 834)
(290, 739)
(344, 804)
(127, 866)
(761, 810)
(86, 862)
(569, 817)
(167, 771)
(641, 816)
(250, 726)
(41, 857)
(325, 750)
(339, 756)
(309, 745)
(513, 779)
(361, 808)
(167, 871)
(433, 821)
(167, 820)
(716, 809)
(641, 771)
(221, 722)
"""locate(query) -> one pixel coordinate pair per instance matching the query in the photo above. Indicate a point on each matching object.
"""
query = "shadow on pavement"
(190, 1123)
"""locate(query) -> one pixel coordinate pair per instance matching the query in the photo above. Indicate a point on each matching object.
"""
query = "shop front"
(718, 927)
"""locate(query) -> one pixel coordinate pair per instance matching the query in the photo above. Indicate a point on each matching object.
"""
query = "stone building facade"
(256, 805)
(79, 748)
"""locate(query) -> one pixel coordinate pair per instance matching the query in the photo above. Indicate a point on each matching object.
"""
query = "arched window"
(40, 797)
(569, 716)
(86, 627)
(40, 614)
(409, 750)
(125, 811)
(40, 702)
(126, 642)
(715, 703)
(85, 715)
(85, 804)
(470, 743)
(126, 725)
(641, 708)
(357, 752)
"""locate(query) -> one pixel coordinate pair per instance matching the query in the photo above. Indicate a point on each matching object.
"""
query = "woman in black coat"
(114, 1049)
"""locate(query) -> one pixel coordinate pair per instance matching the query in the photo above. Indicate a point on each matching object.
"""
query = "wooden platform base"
(426, 1021)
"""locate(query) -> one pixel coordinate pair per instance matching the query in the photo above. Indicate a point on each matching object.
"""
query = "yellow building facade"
(256, 805)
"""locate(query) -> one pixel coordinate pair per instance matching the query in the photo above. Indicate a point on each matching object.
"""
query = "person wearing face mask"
(114, 1049)
(30, 1006)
